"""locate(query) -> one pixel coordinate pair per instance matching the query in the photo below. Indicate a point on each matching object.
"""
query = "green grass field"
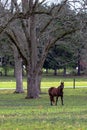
(47, 81)
(18, 113)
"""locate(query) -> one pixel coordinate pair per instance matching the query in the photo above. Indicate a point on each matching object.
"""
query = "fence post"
(74, 83)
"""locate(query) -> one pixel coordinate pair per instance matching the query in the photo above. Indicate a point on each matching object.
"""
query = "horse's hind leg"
(52, 100)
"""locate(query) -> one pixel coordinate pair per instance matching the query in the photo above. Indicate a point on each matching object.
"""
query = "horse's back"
(50, 90)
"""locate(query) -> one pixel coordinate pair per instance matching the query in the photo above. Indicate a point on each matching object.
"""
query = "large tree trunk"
(32, 85)
(18, 71)
(33, 81)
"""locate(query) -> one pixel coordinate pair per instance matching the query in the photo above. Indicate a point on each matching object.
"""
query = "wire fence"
(73, 83)
(68, 83)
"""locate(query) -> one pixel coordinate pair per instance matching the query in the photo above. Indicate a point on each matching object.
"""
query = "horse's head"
(62, 85)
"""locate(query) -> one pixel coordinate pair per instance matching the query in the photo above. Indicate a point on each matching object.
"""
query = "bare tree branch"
(35, 4)
(13, 39)
(58, 11)
(42, 2)
(50, 44)
(15, 5)
(3, 27)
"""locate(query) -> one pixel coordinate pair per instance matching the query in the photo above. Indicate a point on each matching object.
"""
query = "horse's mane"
(61, 86)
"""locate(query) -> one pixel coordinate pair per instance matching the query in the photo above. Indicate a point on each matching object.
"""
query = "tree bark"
(32, 85)
(5, 71)
(32, 71)
(64, 73)
(79, 66)
(55, 72)
(18, 71)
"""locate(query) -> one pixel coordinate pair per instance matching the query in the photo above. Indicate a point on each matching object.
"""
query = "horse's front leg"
(56, 100)
(51, 99)
(62, 100)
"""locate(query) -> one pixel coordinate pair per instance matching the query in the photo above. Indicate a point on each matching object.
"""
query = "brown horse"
(56, 92)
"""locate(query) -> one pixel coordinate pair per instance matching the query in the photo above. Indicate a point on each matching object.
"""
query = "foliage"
(6, 54)
(60, 56)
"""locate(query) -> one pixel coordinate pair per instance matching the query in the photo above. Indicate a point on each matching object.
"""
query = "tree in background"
(23, 32)
(11, 58)
(18, 70)
(60, 57)
(6, 54)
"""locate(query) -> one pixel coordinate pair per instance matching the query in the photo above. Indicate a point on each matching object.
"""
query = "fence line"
(72, 85)
(45, 87)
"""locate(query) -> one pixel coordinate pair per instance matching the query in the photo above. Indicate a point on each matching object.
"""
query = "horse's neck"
(60, 88)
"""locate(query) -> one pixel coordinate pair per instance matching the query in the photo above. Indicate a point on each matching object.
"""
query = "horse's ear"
(62, 82)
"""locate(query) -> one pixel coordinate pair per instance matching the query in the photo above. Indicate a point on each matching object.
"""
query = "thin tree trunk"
(46, 71)
(79, 66)
(5, 71)
(39, 81)
(18, 71)
(64, 73)
(55, 72)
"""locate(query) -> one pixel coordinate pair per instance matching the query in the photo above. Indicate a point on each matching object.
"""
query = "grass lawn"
(18, 113)
(47, 81)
